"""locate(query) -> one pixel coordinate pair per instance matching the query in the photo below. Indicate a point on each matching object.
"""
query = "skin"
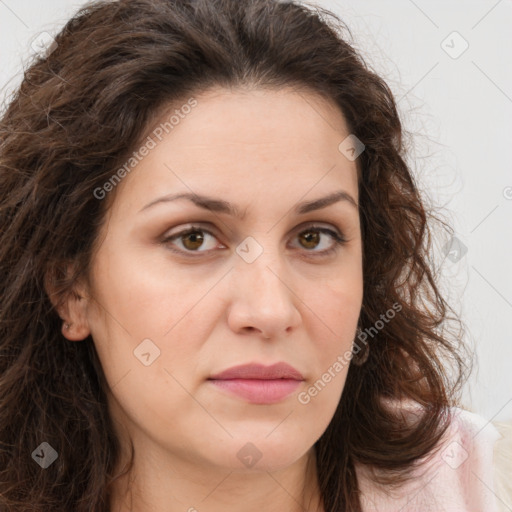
(264, 151)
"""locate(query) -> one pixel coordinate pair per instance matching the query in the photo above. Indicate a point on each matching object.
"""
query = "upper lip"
(259, 371)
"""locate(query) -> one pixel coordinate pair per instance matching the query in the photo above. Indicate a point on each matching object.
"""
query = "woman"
(217, 288)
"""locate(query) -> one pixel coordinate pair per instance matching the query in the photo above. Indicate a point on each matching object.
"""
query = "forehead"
(241, 142)
(258, 116)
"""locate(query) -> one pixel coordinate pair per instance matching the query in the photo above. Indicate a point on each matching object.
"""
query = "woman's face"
(167, 310)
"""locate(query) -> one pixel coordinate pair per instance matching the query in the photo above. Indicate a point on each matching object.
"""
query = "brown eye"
(311, 239)
(192, 240)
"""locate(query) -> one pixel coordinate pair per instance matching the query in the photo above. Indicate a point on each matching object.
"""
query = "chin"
(263, 455)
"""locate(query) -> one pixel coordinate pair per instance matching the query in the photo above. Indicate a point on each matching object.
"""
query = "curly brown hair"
(77, 116)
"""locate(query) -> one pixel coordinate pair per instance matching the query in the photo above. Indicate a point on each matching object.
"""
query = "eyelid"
(334, 232)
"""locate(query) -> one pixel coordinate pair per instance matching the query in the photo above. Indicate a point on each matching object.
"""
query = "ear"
(70, 298)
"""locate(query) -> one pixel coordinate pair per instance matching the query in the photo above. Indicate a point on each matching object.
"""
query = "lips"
(261, 372)
(257, 383)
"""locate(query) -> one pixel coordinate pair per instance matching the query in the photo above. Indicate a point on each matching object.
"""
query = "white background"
(459, 111)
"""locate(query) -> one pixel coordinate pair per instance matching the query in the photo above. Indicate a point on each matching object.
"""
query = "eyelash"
(339, 240)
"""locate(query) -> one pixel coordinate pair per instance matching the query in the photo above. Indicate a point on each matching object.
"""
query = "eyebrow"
(220, 206)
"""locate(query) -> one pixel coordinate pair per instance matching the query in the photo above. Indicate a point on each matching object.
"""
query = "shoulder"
(467, 472)
(503, 466)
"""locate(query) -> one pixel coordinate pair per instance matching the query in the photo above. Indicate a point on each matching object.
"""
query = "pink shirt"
(459, 477)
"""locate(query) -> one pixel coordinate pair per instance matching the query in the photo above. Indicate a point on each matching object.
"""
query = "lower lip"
(259, 391)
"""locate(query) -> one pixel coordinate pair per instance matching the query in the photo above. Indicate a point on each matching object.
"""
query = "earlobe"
(73, 334)
(70, 302)
(75, 326)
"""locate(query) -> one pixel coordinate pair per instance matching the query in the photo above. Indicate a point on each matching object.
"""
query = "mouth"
(256, 391)
(257, 383)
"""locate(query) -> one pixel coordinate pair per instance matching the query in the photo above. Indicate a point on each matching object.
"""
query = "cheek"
(145, 320)
(145, 297)
(334, 310)
(177, 311)
(335, 306)
(148, 332)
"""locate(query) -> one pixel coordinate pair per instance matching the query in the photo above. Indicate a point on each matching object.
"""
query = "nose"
(263, 299)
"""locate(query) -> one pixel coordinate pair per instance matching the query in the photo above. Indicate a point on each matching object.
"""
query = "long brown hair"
(78, 115)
